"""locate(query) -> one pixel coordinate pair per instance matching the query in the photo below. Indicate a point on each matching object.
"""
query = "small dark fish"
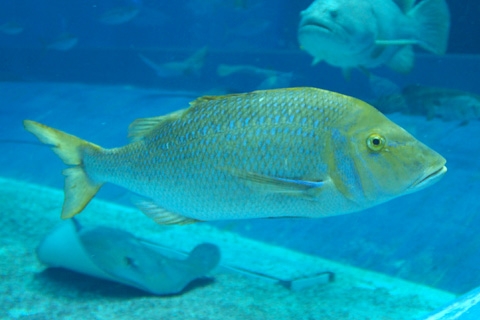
(432, 102)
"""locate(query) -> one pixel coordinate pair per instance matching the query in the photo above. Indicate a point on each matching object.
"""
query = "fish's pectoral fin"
(403, 60)
(161, 215)
(397, 42)
(290, 186)
(139, 128)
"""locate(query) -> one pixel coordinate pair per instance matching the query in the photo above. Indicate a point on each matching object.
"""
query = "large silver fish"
(299, 152)
(369, 33)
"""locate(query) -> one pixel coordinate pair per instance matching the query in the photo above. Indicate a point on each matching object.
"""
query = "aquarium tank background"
(91, 68)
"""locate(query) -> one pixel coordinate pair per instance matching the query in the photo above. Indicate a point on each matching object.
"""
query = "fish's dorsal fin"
(198, 56)
(211, 98)
(299, 187)
(403, 60)
(405, 5)
(316, 60)
(139, 128)
(161, 215)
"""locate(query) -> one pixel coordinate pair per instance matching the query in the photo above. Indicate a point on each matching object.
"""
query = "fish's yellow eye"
(375, 142)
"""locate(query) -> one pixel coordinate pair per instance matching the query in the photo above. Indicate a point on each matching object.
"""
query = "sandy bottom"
(30, 291)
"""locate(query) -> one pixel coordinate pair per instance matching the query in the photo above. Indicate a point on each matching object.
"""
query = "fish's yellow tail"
(79, 188)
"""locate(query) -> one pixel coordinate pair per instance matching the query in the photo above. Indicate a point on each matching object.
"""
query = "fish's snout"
(432, 173)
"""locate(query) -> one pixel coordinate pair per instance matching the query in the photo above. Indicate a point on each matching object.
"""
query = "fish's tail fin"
(433, 18)
(79, 188)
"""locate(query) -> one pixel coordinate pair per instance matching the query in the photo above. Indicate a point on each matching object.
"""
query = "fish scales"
(259, 132)
(297, 152)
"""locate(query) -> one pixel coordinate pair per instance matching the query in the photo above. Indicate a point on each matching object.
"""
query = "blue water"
(100, 85)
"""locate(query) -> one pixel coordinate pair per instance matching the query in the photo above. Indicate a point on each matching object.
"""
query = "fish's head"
(338, 31)
(378, 160)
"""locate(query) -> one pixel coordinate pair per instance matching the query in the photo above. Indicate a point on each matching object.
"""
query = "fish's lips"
(314, 25)
(429, 178)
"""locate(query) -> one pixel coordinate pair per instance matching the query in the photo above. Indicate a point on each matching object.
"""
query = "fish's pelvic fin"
(139, 128)
(433, 19)
(161, 215)
(403, 60)
(79, 188)
(294, 187)
(405, 5)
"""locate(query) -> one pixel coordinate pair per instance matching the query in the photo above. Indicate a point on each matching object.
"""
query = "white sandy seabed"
(30, 291)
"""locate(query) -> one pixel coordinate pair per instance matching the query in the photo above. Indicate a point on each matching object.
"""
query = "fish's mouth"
(429, 178)
(315, 24)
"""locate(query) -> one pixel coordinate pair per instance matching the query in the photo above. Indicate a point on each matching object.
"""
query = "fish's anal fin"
(139, 128)
(161, 215)
(292, 187)
(79, 190)
(403, 60)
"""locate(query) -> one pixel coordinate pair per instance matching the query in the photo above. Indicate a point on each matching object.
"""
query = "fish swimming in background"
(11, 28)
(224, 70)
(297, 152)
(119, 15)
(190, 66)
(370, 33)
(432, 102)
(64, 42)
(272, 79)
